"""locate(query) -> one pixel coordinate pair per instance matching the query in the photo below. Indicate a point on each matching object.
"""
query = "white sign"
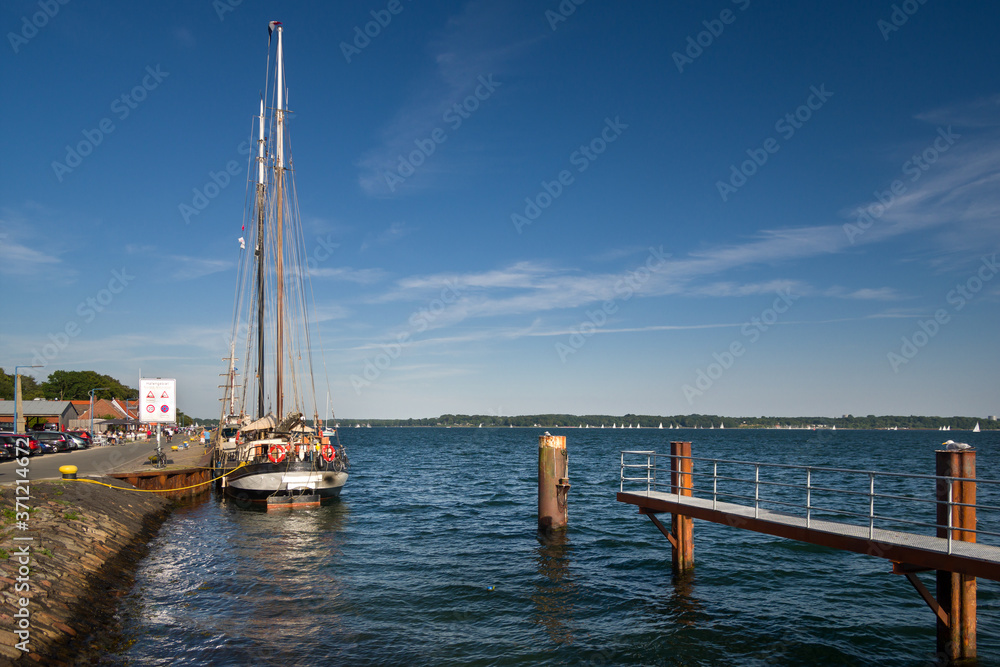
(157, 400)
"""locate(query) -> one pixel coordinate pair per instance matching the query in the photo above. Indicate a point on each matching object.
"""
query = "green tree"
(76, 386)
(29, 387)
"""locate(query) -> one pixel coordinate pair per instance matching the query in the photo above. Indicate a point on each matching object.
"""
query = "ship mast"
(279, 178)
(259, 252)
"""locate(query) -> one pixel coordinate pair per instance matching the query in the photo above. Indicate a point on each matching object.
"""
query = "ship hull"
(284, 484)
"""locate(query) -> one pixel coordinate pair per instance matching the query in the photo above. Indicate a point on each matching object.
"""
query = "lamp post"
(17, 393)
(92, 410)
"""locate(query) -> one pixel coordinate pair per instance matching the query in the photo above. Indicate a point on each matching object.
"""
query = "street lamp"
(92, 410)
(17, 392)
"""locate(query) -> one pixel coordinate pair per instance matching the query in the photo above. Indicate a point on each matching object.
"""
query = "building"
(38, 413)
(106, 411)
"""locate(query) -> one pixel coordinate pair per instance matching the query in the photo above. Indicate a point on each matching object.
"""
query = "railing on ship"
(883, 500)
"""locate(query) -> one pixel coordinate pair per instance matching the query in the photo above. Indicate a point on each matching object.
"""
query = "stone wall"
(61, 587)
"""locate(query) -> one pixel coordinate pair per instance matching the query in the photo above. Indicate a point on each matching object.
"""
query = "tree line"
(66, 386)
(683, 421)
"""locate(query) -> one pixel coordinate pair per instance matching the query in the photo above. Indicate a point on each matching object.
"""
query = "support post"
(553, 483)
(681, 482)
(956, 593)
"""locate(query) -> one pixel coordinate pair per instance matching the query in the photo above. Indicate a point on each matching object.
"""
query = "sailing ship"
(274, 457)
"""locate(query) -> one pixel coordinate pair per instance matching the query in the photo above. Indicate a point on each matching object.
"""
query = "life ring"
(276, 454)
(328, 453)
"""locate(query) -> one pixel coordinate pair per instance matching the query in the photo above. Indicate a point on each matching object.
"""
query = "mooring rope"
(182, 488)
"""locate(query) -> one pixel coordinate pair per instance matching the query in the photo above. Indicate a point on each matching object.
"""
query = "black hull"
(284, 482)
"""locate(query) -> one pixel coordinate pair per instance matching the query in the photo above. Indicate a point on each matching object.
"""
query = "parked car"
(78, 441)
(85, 435)
(9, 441)
(62, 441)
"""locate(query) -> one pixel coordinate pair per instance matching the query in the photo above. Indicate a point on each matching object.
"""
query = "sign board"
(157, 400)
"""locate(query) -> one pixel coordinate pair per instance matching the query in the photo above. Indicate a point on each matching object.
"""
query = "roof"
(38, 408)
(103, 406)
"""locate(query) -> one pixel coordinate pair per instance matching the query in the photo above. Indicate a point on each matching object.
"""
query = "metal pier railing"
(942, 522)
(868, 498)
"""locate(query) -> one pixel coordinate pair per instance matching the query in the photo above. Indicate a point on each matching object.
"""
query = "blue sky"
(730, 207)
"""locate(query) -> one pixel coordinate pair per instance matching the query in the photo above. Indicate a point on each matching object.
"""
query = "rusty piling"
(553, 483)
(956, 593)
(681, 482)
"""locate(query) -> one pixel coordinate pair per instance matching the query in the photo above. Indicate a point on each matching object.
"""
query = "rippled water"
(432, 557)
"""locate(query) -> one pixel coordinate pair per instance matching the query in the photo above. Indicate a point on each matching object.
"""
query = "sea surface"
(431, 557)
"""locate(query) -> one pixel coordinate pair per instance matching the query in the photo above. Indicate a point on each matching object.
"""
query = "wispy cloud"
(191, 268)
(982, 112)
(395, 232)
(346, 273)
(479, 41)
(22, 237)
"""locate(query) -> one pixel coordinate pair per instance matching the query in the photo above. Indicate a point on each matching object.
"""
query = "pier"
(918, 522)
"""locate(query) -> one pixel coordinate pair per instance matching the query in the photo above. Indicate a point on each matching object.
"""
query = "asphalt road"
(93, 461)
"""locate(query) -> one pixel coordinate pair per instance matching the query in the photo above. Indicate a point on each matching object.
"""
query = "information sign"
(157, 400)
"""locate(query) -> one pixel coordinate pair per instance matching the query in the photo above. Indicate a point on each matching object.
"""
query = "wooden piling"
(553, 483)
(956, 593)
(681, 481)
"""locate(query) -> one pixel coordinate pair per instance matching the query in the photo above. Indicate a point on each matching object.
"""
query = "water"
(431, 557)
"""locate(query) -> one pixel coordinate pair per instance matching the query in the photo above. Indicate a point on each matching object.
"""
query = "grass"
(4, 554)
(72, 516)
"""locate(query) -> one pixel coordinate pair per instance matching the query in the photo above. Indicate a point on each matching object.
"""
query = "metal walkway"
(935, 553)
(816, 504)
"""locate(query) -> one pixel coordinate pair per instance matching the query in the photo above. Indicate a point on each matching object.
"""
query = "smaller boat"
(976, 429)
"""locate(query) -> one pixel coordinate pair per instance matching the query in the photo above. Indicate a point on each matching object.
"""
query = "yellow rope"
(183, 488)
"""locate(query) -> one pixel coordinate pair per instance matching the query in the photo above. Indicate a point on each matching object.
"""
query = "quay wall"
(85, 543)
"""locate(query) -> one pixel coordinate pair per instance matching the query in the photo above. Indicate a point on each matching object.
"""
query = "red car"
(9, 442)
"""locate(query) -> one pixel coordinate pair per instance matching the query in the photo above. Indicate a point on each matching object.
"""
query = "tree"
(29, 387)
(76, 386)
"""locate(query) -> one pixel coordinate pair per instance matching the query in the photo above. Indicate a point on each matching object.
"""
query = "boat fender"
(276, 454)
(328, 452)
(238, 438)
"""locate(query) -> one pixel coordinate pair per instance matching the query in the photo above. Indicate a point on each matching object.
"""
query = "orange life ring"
(328, 453)
(276, 454)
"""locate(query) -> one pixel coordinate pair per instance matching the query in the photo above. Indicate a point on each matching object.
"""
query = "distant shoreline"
(680, 422)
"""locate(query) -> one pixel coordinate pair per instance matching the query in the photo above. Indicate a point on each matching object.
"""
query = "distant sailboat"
(976, 429)
(661, 424)
(722, 425)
